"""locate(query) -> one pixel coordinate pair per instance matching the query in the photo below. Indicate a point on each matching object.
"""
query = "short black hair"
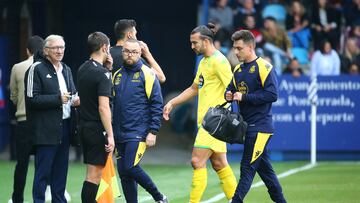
(35, 44)
(122, 26)
(96, 40)
(245, 35)
(206, 31)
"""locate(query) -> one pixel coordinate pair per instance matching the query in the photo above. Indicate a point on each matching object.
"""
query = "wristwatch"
(153, 132)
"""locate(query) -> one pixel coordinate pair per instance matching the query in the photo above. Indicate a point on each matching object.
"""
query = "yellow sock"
(199, 182)
(228, 181)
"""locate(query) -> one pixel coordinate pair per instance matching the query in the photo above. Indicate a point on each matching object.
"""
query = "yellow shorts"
(206, 141)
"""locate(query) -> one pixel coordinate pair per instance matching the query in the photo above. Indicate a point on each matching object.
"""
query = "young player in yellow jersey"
(213, 76)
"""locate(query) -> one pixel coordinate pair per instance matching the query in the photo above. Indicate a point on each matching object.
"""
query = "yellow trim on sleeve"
(140, 152)
(237, 67)
(149, 80)
(113, 78)
(264, 69)
(261, 140)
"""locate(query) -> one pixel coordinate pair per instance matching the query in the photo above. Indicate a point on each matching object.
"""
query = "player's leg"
(44, 158)
(270, 179)
(199, 158)
(23, 149)
(253, 149)
(128, 184)
(225, 173)
(202, 151)
(60, 166)
(134, 152)
(93, 142)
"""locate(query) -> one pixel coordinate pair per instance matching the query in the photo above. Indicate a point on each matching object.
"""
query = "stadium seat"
(276, 11)
(301, 54)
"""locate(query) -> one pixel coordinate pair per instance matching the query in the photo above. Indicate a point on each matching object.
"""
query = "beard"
(129, 62)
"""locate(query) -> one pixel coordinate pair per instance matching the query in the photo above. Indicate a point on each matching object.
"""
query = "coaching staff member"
(48, 84)
(137, 118)
(254, 87)
(94, 83)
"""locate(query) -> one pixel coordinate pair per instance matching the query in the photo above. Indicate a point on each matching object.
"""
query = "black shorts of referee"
(93, 140)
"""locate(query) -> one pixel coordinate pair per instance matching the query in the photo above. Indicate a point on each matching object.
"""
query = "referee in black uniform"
(94, 82)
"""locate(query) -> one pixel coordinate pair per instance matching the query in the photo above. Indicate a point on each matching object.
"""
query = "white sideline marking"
(260, 183)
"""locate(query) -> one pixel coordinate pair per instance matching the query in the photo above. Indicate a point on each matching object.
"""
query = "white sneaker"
(67, 196)
(10, 201)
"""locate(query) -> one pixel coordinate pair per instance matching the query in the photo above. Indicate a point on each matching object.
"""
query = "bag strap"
(222, 105)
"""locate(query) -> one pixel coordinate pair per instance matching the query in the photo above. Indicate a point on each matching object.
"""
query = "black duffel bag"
(225, 125)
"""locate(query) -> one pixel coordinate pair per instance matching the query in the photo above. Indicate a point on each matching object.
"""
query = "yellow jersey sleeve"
(223, 71)
(198, 72)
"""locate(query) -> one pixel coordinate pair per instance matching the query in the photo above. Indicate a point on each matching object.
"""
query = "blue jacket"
(138, 103)
(258, 83)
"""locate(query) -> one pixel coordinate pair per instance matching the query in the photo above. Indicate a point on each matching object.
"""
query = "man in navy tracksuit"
(137, 114)
(254, 86)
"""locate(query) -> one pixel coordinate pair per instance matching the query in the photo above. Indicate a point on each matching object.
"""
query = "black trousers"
(23, 146)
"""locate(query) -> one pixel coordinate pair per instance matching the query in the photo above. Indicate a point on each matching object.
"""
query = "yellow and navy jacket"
(258, 83)
(138, 103)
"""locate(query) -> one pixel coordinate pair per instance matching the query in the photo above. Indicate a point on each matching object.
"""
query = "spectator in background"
(352, 12)
(23, 139)
(297, 25)
(354, 69)
(294, 68)
(222, 16)
(350, 56)
(276, 43)
(325, 61)
(325, 24)
(243, 9)
(250, 24)
(355, 33)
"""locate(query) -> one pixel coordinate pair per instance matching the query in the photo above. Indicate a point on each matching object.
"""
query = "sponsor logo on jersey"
(243, 88)
(201, 81)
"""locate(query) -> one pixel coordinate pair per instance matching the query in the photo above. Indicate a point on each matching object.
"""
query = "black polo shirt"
(93, 81)
(116, 54)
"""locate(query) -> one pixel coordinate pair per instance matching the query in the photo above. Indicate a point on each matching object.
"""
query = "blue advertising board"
(338, 114)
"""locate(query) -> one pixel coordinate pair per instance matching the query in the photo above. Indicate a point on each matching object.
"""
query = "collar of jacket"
(135, 67)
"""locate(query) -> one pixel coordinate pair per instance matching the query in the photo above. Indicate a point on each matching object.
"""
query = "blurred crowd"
(319, 37)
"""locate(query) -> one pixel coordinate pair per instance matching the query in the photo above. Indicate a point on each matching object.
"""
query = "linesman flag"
(108, 188)
(312, 91)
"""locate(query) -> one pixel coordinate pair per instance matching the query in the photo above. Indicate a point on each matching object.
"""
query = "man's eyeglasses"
(129, 52)
(55, 48)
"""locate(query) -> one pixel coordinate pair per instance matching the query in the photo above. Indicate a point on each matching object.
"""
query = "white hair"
(52, 38)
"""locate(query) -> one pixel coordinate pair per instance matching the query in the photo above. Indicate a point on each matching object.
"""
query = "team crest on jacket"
(117, 79)
(136, 75)
(243, 88)
(201, 81)
(252, 69)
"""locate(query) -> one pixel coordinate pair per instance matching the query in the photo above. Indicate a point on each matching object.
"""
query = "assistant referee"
(94, 86)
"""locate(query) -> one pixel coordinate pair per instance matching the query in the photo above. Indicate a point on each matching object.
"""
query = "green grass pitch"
(336, 182)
